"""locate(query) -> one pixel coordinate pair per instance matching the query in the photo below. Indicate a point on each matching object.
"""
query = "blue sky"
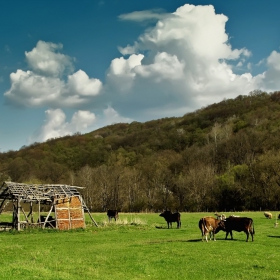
(77, 67)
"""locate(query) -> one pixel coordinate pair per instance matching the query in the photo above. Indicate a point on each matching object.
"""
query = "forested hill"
(225, 156)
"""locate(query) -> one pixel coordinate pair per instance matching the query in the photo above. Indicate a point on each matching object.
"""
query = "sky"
(74, 66)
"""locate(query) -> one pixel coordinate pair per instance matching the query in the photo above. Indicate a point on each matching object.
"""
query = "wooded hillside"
(223, 157)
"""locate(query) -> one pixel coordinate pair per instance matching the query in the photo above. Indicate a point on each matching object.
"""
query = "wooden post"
(69, 216)
(18, 214)
(46, 220)
(14, 214)
(39, 217)
(31, 212)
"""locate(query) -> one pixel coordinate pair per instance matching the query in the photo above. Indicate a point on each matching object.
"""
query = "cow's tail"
(204, 225)
(252, 228)
(201, 225)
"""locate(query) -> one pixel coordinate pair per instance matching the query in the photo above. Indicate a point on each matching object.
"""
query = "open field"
(140, 246)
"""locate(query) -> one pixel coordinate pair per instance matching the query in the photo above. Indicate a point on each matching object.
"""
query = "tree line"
(224, 157)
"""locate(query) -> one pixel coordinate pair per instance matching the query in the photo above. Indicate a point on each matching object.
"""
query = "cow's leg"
(247, 234)
(202, 233)
(227, 234)
(213, 233)
(206, 236)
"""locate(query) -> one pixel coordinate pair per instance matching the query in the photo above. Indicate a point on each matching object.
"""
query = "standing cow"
(171, 218)
(209, 225)
(112, 214)
(238, 224)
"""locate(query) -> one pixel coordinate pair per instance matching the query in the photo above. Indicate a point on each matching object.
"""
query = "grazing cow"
(209, 225)
(268, 215)
(279, 216)
(238, 224)
(171, 218)
(112, 214)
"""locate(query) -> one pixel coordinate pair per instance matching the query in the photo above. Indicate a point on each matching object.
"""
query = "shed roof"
(37, 192)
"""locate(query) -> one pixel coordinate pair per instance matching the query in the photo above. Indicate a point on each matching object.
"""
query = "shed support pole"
(31, 212)
(18, 214)
(39, 214)
(47, 218)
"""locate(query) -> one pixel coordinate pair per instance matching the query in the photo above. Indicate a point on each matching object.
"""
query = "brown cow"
(238, 224)
(209, 225)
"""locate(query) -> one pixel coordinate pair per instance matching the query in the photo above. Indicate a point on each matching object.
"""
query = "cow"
(171, 218)
(209, 225)
(220, 216)
(268, 215)
(238, 224)
(112, 214)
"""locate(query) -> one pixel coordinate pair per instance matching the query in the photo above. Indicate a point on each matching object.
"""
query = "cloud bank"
(179, 64)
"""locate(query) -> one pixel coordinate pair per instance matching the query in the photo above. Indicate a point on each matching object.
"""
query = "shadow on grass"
(167, 241)
(217, 239)
(191, 240)
(273, 236)
(160, 227)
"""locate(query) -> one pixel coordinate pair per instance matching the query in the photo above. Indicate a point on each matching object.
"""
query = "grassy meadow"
(139, 246)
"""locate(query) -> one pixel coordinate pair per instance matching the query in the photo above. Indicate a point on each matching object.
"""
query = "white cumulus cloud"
(269, 80)
(50, 81)
(45, 60)
(186, 63)
(81, 84)
(56, 125)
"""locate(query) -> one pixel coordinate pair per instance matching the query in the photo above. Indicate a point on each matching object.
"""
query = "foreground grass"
(140, 246)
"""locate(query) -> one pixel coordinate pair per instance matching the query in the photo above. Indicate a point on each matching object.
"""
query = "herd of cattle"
(209, 226)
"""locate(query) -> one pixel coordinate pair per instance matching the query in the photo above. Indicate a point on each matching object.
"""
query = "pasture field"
(139, 246)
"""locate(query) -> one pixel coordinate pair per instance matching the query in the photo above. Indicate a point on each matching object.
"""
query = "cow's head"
(221, 226)
(165, 213)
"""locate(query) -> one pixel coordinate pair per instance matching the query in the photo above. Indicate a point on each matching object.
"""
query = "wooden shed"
(65, 206)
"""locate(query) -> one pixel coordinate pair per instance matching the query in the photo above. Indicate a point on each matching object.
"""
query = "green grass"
(140, 246)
